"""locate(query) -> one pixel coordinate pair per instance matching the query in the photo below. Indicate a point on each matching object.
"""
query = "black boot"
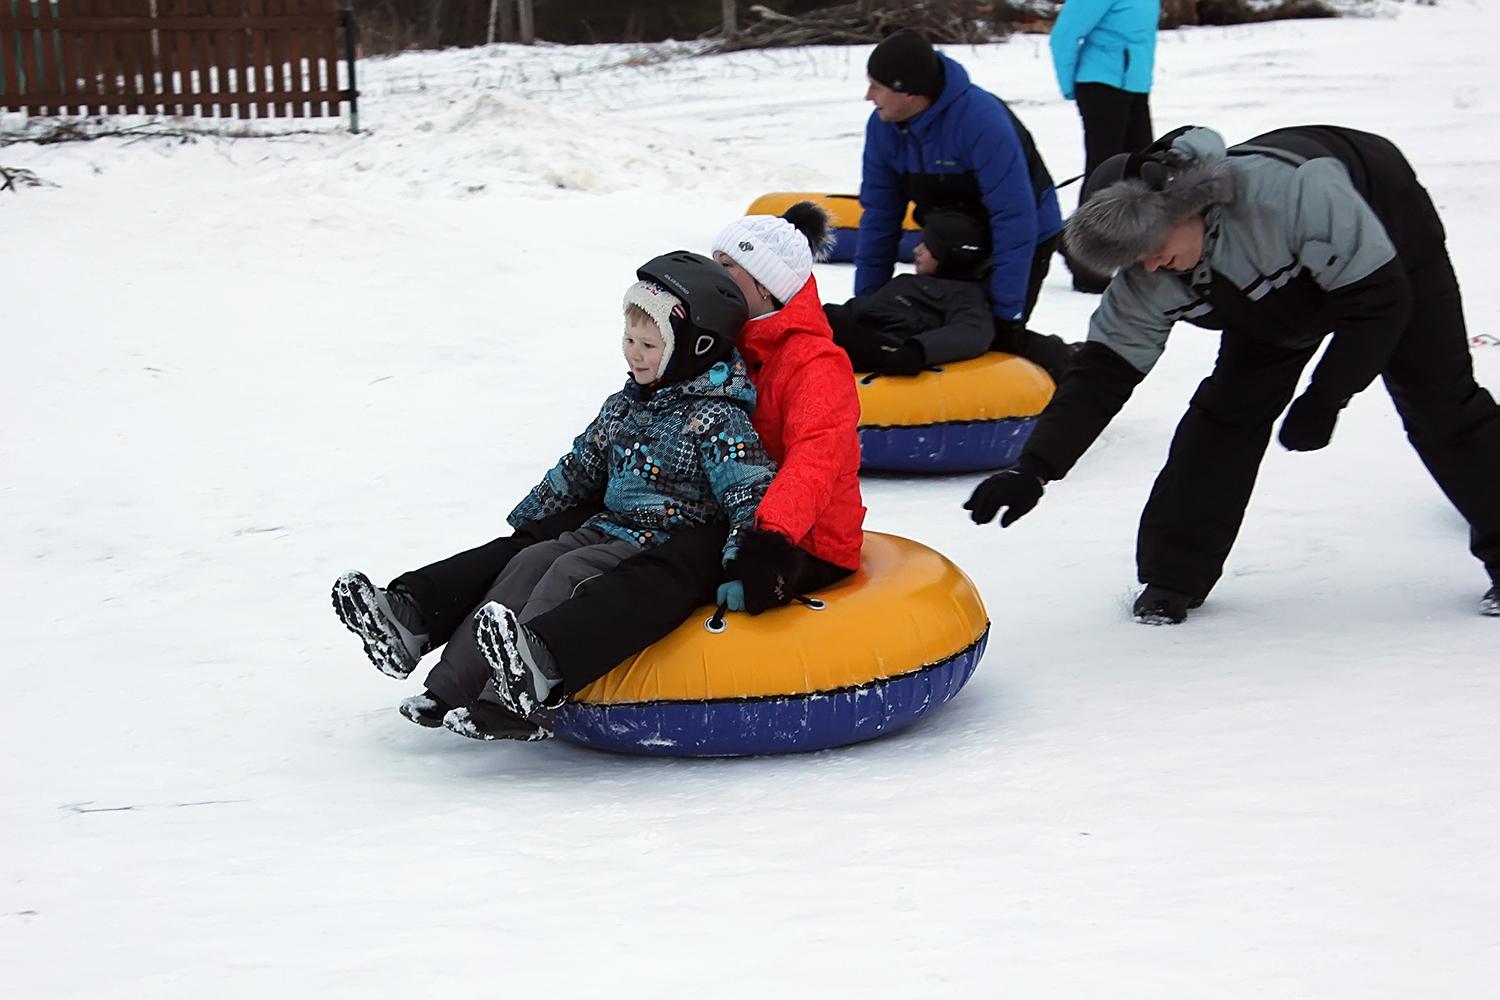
(425, 709)
(388, 622)
(1160, 606)
(486, 720)
(1489, 604)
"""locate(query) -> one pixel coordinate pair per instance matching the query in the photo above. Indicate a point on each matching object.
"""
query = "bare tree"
(727, 6)
(527, 19)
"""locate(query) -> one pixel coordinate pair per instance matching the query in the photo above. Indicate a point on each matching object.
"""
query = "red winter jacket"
(807, 415)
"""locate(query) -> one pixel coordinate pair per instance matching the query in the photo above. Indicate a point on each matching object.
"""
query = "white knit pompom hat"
(661, 305)
(772, 250)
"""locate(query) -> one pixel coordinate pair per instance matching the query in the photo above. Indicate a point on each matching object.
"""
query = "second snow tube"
(960, 417)
(844, 212)
(891, 643)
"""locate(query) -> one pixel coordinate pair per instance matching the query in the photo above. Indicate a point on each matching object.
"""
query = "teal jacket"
(664, 460)
(1105, 41)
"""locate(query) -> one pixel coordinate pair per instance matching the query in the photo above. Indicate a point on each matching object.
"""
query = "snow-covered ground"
(233, 369)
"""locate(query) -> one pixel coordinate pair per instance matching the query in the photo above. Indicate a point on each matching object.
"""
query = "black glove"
(1308, 424)
(765, 562)
(907, 359)
(866, 354)
(1016, 488)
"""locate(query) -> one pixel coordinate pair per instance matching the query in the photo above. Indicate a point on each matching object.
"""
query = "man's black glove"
(765, 562)
(1308, 424)
(1017, 488)
(907, 359)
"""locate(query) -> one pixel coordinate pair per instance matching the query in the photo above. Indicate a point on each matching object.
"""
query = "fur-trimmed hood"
(1124, 218)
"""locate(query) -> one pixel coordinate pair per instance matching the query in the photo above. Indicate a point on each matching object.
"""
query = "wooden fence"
(213, 58)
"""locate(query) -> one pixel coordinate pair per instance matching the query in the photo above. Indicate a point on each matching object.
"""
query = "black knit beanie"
(959, 242)
(906, 63)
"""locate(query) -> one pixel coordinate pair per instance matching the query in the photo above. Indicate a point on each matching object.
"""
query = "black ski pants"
(1045, 349)
(611, 617)
(615, 615)
(1114, 121)
(449, 590)
(1199, 499)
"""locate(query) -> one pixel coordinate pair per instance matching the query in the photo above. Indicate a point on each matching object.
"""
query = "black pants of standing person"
(1196, 507)
(1114, 121)
(1045, 349)
(612, 616)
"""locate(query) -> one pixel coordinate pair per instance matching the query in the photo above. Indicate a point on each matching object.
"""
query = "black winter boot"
(485, 720)
(1160, 606)
(386, 621)
(425, 709)
(1489, 604)
(523, 680)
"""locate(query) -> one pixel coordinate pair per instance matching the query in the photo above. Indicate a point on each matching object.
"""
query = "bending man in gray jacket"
(1279, 242)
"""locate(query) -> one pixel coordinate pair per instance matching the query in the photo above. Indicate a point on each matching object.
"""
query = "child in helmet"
(672, 450)
(938, 315)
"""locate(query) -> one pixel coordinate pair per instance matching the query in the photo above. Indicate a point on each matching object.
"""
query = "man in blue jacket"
(938, 141)
(1104, 52)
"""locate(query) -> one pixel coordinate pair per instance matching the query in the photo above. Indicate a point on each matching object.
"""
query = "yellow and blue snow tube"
(843, 217)
(889, 644)
(960, 417)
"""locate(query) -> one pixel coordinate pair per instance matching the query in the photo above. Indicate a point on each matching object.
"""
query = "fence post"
(346, 17)
(526, 16)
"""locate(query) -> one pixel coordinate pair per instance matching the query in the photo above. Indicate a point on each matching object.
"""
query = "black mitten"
(1308, 424)
(908, 359)
(865, 354)
(765, 563)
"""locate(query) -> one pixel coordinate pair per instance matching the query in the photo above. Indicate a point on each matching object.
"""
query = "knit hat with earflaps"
(1131, 203)
(906, 63)
(959, 242)
(777, 250)
(666, 311)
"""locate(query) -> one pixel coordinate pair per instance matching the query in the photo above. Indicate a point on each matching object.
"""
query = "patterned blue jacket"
(664, 460)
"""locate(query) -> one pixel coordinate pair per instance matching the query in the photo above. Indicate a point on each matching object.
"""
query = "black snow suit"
(1329, 232)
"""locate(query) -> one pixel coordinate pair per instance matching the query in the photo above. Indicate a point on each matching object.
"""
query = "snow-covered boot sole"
(1489, 604)
(424, 710)
(364, 611)
(498, 635)
(478, 724)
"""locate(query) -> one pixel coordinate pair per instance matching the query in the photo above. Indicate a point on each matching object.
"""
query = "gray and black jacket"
(1320, 227)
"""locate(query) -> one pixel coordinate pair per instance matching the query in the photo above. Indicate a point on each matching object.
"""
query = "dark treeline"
(394, 25)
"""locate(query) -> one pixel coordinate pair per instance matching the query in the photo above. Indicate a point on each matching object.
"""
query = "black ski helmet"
(716, 310)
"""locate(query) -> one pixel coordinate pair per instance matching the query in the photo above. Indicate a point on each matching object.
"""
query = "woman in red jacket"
(808, 526)
(807, 529)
